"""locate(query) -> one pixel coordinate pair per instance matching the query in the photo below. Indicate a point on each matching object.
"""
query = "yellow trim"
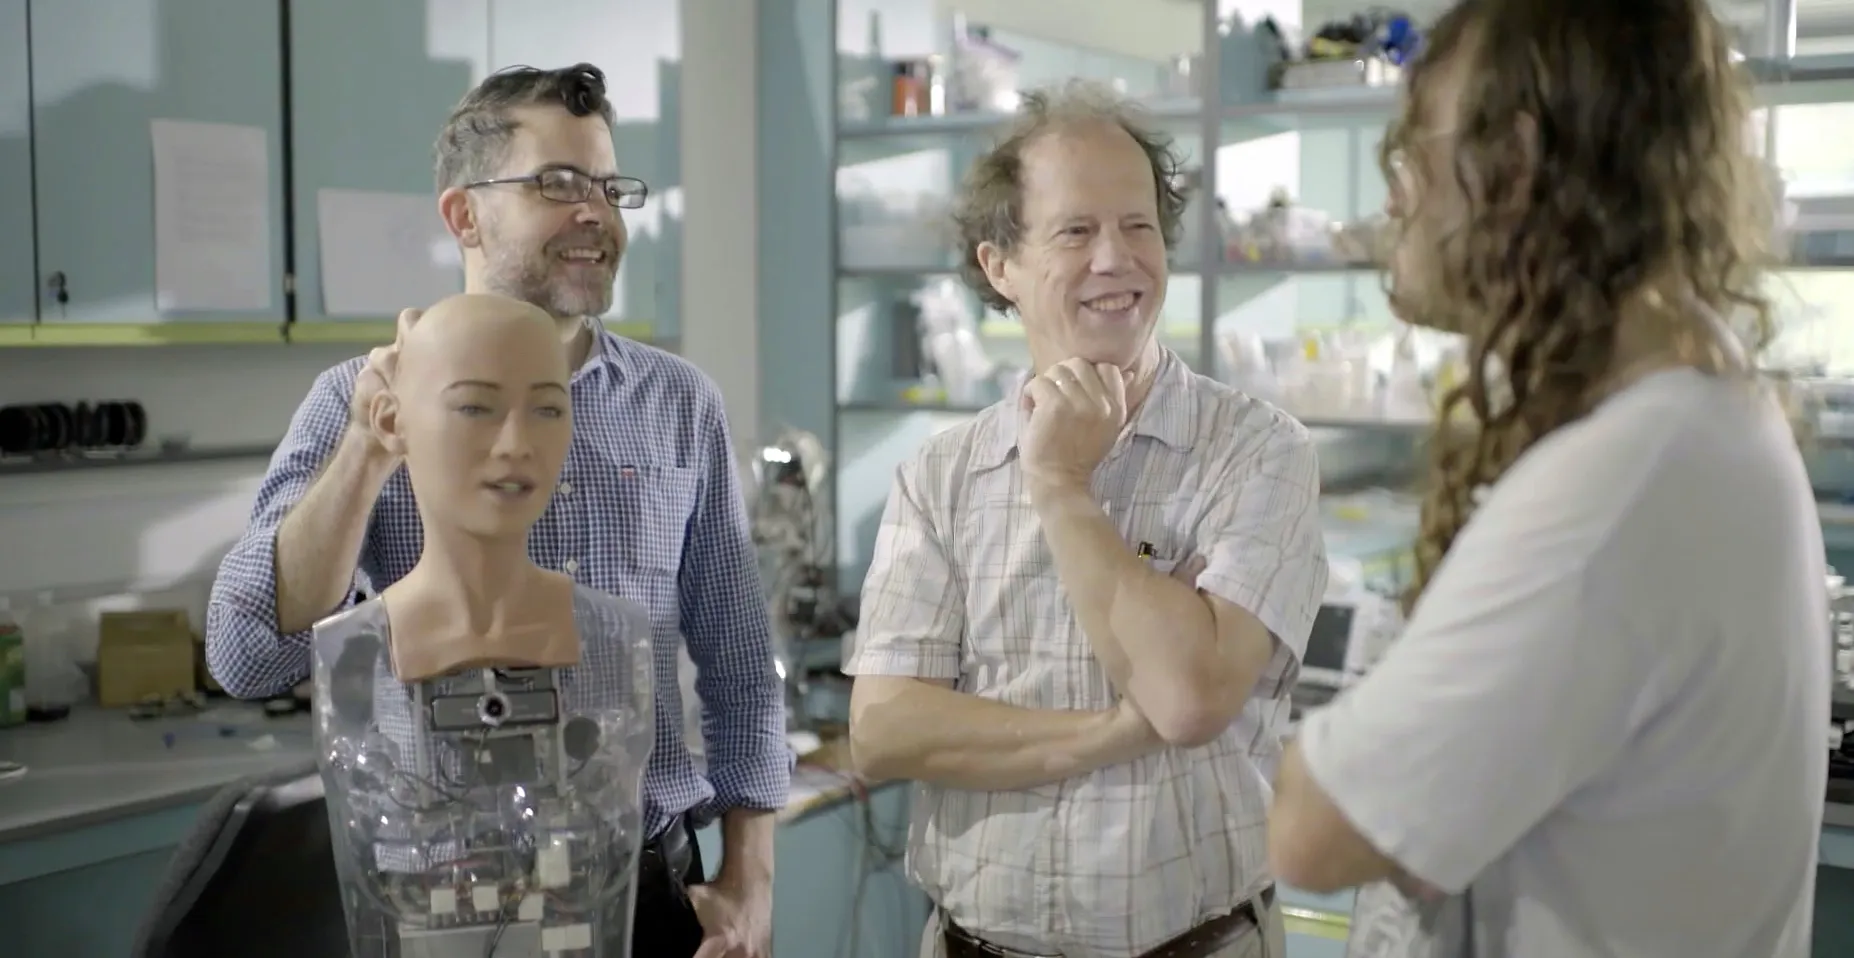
(150, 334)
(234, 333)
(360, 331)
(1316, 924)
(374, 332)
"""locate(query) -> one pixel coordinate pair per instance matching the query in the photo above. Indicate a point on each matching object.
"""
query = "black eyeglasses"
(571, 186)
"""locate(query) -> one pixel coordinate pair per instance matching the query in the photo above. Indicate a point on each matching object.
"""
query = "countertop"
(100, 765)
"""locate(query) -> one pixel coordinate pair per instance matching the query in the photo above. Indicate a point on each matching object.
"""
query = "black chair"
(256, 877)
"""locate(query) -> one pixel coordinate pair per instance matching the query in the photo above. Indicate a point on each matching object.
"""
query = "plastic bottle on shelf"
(53, 680)
(12, 667)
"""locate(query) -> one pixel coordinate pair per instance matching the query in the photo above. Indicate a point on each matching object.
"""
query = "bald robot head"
(468, 329)
(479, 407)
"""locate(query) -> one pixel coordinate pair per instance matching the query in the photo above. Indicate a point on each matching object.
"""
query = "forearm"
(319, 541)
(915, 730)
(1154, 635)
(747, 847)
(1313, 846)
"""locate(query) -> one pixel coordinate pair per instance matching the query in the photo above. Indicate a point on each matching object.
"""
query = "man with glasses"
(648, 507)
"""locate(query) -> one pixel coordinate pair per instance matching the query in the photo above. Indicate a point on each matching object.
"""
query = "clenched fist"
(1073, 413)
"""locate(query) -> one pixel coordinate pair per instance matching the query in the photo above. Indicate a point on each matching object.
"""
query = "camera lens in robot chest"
(492, 708)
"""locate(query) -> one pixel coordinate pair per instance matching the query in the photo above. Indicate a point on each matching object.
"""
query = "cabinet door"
(366, 105)
(102, 71)
(17, 300)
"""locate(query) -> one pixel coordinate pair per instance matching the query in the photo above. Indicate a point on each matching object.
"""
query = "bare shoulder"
(554, 588)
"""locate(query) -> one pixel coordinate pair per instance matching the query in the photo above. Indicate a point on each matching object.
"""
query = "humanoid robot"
(482, 725)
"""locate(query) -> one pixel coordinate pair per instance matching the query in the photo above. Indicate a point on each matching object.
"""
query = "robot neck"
(472, 600)
(481, 568)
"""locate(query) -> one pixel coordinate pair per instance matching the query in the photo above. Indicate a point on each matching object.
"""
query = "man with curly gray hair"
(1086, 606)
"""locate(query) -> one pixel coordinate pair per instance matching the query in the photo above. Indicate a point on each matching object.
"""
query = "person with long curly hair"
(1603, 730)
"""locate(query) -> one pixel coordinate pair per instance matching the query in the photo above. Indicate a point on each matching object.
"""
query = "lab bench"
(85, 837)
(86, 833)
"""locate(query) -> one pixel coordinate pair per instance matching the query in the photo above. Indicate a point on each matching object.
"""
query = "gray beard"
(530, 282)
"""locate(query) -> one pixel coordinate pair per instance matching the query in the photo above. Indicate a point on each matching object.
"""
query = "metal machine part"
(792, 528)
(489, 812)
(1841, 707)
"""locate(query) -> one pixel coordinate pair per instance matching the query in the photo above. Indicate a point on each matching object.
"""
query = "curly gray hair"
(989, 208)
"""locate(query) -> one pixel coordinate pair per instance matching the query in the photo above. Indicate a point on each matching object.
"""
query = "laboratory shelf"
(130, 458)
(944, 124)
(358, 332)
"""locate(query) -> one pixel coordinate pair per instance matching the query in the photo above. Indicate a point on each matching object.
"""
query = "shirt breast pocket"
(654, 504)
(1155, 526)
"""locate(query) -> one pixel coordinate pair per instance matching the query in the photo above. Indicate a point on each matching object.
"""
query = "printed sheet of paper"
(212, 217)
(383, 252)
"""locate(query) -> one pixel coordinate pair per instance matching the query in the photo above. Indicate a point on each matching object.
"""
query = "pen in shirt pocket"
(1148, 554)
(1185, 569)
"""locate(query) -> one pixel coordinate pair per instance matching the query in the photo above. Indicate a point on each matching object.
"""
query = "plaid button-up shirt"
(962, 587)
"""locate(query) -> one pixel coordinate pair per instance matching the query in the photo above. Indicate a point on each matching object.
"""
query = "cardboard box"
(202, 676)
(142, 655)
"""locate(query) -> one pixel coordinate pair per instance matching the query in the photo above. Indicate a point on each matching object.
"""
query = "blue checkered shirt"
(649, 507)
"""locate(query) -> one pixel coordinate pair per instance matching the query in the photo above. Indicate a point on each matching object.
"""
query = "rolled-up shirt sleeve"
(1262, 543)
(728, 633)
(245, 653)
(913, 616)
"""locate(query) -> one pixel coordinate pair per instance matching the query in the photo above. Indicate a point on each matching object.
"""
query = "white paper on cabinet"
(383, 252)
(212, 217)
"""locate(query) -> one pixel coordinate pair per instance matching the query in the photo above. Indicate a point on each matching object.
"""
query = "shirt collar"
(603, 353)
(1166, 415)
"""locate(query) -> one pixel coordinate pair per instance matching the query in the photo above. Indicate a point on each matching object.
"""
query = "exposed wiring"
(495, 937)
(873, 858)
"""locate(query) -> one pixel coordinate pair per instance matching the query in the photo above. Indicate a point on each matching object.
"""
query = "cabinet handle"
(57, 283)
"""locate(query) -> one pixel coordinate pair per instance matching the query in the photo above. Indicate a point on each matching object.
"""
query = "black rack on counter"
(66, 462)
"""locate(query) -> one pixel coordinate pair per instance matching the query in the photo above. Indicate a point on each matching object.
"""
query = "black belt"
(667, 857)
(1199, 942)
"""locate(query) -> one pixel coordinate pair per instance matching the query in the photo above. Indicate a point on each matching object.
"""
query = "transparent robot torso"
(487, 812)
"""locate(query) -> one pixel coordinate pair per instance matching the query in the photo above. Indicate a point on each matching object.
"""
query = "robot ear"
(383, 420)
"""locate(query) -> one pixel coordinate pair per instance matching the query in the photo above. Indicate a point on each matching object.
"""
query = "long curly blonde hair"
(1602, 158)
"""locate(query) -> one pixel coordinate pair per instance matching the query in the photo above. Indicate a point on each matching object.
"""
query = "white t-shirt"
(1608, 715)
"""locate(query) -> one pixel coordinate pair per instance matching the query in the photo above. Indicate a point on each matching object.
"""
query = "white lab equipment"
(1351, 631)
(487, 811)
(950, 341)
(793, 532)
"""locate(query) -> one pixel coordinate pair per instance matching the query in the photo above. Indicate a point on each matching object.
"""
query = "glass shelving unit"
(895, 175)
